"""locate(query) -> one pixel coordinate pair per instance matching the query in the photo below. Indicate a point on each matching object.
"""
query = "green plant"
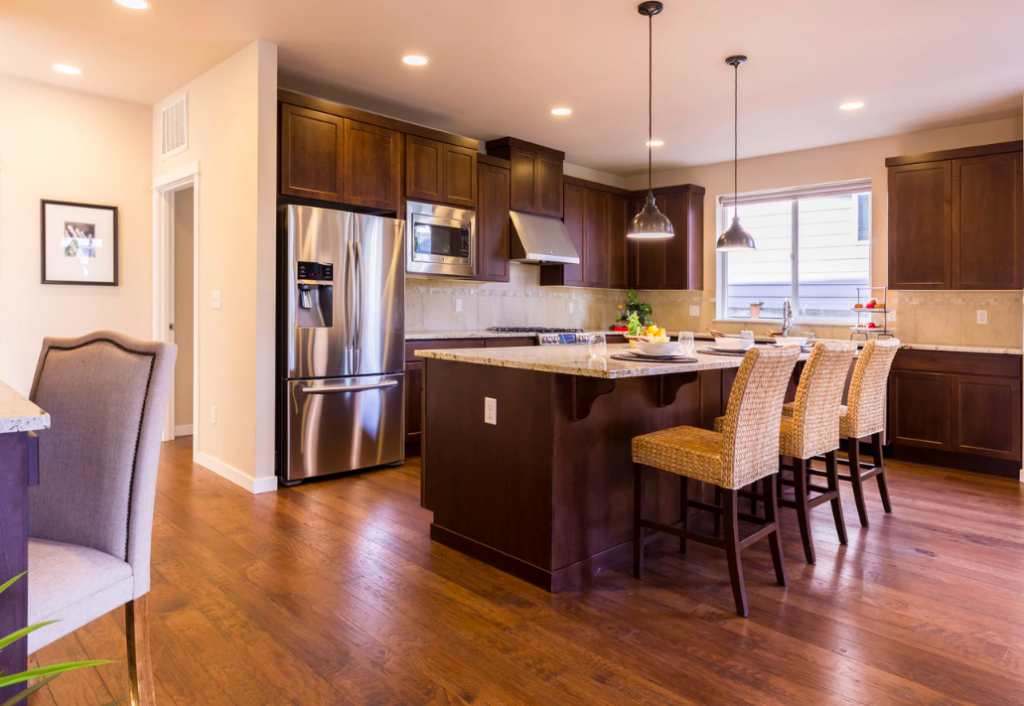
(632, 306)
(51, 672)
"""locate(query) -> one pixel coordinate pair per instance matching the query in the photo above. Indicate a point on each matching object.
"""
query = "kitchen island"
(545, 492)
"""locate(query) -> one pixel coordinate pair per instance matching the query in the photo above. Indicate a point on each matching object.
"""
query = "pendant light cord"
(735, 140)
(650, 97)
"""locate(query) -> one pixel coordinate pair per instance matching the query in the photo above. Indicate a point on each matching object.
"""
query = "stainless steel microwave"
(441, 240)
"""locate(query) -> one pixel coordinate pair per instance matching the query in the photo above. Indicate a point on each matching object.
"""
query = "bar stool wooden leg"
(856, 481)
(732, 551)
(684, 506)
(883, 487)
(832, 469)
(771, 514)
(718, 517)
(753, 501)
(802, 506)
(638, 513)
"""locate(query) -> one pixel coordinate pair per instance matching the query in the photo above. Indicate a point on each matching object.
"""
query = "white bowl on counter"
(727, 343)
(661, 348)
(791, 340)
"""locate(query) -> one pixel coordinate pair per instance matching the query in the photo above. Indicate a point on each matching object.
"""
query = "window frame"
(795, 194)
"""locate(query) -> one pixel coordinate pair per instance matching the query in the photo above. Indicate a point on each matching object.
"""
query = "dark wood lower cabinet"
(961, 410)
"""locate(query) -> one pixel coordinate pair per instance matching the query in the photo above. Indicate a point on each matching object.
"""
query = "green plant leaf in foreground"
(51, 669)
(18, 634)
(29, 691)
(8, 584)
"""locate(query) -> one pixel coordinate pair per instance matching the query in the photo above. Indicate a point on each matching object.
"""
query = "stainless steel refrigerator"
(341, 329)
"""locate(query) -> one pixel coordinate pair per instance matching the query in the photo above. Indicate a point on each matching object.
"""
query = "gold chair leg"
(141, 690)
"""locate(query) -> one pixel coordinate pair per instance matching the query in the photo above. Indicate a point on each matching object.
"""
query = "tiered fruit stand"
(885, 330)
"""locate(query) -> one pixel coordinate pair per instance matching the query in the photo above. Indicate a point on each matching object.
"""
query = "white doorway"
(175, 283)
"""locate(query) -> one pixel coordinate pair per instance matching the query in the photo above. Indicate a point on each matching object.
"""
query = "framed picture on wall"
(79, 242)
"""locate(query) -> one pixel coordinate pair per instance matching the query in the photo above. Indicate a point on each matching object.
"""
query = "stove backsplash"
(430, 304)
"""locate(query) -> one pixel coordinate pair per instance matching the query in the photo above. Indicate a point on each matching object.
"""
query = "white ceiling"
(498, 66)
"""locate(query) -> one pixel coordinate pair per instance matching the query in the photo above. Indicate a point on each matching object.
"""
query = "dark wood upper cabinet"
(618, 246)
(676, 262)
(460, 182)
(492, 223)
(955, 219)
(595, 238)
(311, 148)
(988, 241)
(920, 233)
(575, 214)
(424, 168)
(372, 166)
(536, 175)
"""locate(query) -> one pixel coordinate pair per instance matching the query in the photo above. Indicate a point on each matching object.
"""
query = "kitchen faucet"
(787, 317)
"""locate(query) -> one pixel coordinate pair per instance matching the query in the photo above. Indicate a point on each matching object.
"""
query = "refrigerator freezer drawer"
(343, 424)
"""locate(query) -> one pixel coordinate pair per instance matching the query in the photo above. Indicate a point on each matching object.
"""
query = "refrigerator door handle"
(349, 265)
(349, 388)
(357, 249)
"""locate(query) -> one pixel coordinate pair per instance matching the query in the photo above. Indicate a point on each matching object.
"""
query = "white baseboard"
(183, 430)
(253, 485)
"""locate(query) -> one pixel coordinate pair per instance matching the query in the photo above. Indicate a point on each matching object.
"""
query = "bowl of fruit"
(658, 345)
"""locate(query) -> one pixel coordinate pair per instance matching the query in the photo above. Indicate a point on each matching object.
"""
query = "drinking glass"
(747, 336)
(686, 342)
(597, 345)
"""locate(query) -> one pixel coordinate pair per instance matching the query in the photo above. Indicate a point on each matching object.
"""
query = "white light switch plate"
(215, 300)
(213, 415)
(572, 307)
(982, 316)
(694, 309)
(490, 410)
(458, 305)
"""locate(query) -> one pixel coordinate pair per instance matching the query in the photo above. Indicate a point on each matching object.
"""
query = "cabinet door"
(424, 168)
(312, 149)
(988, 240)
(460, 182)
(595, 238)
(920, 233)
(575, 199)
(492, 224)
(413, 403)
(549, 186)
(618, 245)
(920, 404)
(525, 169)
(373, 166)
(684, 251)
(986, 416)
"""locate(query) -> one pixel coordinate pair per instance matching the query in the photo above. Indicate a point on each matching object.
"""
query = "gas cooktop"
(533, 329)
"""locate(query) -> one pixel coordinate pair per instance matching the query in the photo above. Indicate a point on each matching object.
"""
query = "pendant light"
(650, 223)
(736, 238)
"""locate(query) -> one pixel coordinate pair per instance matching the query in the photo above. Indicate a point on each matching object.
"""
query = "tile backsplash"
(946, 317)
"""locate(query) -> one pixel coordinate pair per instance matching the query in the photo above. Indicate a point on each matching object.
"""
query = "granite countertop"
(704, 336)
(17, 413)
(575, 360)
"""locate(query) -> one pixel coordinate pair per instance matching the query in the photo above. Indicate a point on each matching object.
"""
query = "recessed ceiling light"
(413, 60)
(134, 4)
(65, 69)
(655, 143)
(853, 105)
(562, 111)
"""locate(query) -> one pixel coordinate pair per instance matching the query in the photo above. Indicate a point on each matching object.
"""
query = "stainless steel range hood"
(538, 240)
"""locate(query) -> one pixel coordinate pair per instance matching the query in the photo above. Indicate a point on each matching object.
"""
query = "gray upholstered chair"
(91, 516)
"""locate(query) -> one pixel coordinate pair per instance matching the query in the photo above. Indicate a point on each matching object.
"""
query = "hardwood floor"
(332, 593)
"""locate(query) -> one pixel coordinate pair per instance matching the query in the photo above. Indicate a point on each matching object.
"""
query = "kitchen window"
(813, 247)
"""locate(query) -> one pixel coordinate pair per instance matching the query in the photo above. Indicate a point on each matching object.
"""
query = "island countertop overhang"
(576, 360)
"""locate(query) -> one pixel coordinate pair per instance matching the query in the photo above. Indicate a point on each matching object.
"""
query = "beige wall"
(232, 136)
(64, 145)
(854, 160)
(183, 319)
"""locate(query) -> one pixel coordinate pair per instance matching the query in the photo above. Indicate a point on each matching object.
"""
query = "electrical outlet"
(458, 305)
(694, 309)
(490, 410)
(712, 300)
(572, 307)
(891, 315)
(982, 316)
(215, 300)
(213, 415)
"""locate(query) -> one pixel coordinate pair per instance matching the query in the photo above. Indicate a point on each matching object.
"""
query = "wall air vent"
(174, 127)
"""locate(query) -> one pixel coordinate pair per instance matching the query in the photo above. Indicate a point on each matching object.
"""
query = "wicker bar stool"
(863, 418)
(744, 451)
(810, 428)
